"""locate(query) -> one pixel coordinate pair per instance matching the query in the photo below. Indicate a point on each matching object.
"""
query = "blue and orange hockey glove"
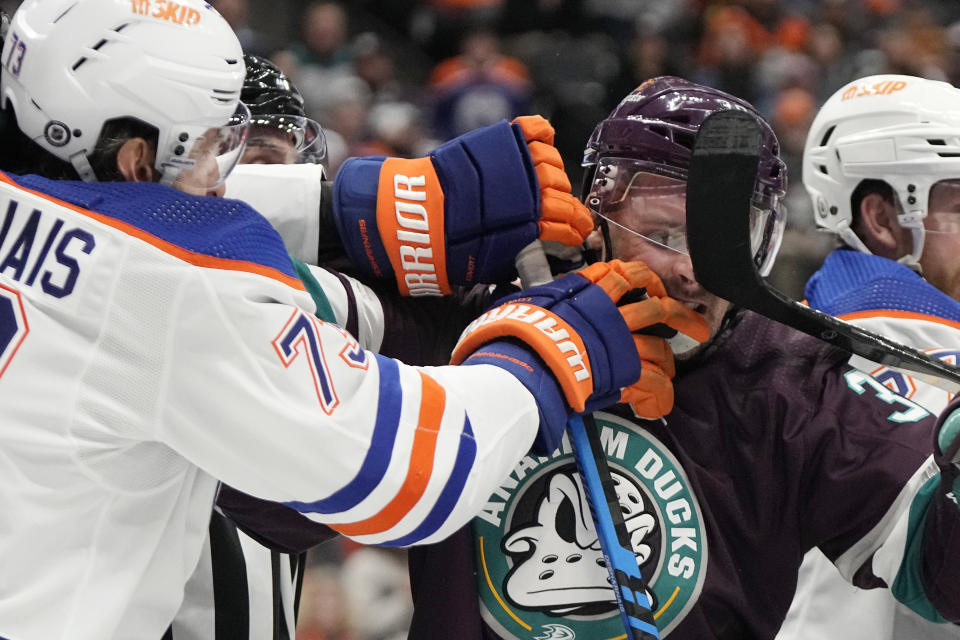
(460, 215)
(575, 350)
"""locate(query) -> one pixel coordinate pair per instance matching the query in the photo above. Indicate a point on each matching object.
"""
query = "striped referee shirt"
(240, 589)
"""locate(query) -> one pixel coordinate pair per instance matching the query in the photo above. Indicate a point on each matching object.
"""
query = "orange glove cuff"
(555, 341)
(410, 212)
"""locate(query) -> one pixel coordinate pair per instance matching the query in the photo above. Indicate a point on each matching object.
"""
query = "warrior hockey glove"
(651, 396)
(574, 349)
(461, 215)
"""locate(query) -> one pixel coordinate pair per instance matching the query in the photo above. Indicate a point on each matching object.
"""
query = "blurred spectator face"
(323, 605)
(480, 49)
(648, 55)
(396, 125)
(372, 62)
(233, 11)
(376, 69)
(793, 113)
(346, 108)
(268, 145)
(793, 33)
(324, 28)
(732, 38)
(732, 46)
(348, 118)
(825, 43)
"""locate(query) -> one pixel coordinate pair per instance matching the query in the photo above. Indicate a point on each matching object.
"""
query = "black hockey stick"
(625, 578)
(720, 185)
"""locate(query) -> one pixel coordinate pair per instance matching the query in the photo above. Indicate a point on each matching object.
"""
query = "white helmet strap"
(913, 220)
(82, 166)
(850, 238)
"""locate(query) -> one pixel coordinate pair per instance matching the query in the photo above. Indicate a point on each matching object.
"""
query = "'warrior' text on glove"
(460, 215)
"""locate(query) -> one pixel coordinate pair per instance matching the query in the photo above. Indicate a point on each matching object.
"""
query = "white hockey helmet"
(69, 66)
(901, 129)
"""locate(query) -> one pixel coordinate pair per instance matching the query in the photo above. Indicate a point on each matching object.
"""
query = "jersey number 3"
(13, 325)
(911, 412)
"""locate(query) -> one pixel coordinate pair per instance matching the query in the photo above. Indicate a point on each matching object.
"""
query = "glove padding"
(651, 396)
(573, 329)
(563, 218)
(459, 216)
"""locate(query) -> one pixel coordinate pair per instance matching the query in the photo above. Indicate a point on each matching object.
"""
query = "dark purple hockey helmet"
(644, 147)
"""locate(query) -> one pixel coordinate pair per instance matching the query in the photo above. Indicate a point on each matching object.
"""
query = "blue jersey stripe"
(378, 457)
(215, 227)
(850, 281)
(466, 456)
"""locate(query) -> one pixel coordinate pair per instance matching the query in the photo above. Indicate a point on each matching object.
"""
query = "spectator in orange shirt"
(480, 86)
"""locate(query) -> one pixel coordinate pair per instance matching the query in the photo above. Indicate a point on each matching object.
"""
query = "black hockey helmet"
(277, 106)
(267, 90)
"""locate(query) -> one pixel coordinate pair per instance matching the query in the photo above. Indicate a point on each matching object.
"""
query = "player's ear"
(135, 161)
(879, 228)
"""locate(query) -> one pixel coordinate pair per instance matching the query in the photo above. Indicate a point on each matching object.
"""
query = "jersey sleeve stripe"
(893, 313)
(377, 459)
(424, 448)
(191, 257)
(466, 456)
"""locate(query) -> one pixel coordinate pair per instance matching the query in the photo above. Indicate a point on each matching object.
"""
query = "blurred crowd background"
(398, 77)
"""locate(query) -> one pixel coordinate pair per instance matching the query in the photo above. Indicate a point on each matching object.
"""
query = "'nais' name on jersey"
(38, 249)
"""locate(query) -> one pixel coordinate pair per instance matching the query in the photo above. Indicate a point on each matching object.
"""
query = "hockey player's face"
(645, 234)
(268, 145)
(940, 259)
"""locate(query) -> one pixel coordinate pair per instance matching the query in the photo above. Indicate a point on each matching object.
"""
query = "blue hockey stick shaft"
(628, 584)
(621, 562)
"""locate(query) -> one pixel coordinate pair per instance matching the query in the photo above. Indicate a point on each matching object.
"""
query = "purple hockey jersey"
(774, 446)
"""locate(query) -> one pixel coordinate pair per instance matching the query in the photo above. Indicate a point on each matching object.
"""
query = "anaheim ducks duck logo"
(542, 574)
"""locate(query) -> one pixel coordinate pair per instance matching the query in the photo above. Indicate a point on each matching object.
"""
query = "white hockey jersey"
(889, 299)
(153, 343)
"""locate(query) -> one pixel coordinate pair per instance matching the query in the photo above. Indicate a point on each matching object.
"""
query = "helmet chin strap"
(913, 220)
(851, 239)
(82, 166)
(606, 251)
(912, 259)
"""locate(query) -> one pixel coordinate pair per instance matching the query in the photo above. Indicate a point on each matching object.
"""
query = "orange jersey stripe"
(907, 315)
(432, 403)
(191, 257)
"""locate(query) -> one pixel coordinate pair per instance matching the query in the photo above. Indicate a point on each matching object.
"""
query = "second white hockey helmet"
(901, 129)
(69, 66)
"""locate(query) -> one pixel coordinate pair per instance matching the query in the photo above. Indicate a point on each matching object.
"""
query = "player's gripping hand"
(569, 343)
(460, 215)
(652, 318)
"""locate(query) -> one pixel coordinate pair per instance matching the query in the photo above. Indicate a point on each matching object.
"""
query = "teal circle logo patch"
(540, 572)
